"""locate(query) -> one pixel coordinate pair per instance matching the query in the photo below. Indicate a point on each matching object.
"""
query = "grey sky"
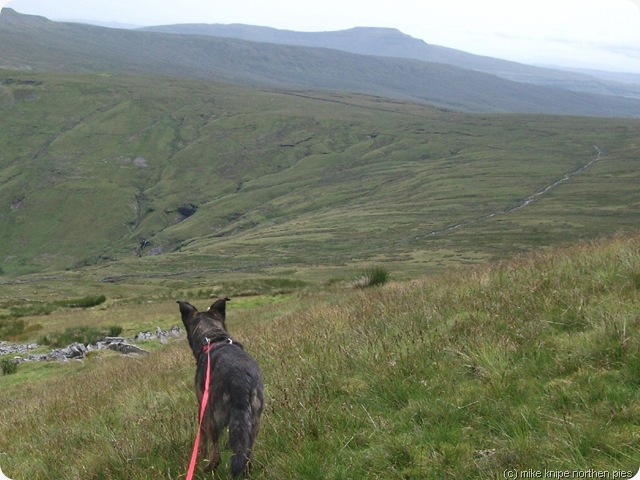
(602, 34)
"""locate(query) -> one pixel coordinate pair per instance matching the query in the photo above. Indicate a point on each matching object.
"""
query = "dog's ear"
(220, 307)
(187, 310)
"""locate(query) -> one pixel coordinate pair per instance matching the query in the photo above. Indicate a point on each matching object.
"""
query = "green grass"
(85, 335)
(14, 327)
(84, 302)
(288, 182)
(526, 364)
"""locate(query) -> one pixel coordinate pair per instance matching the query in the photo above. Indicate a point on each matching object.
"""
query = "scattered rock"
(78, 351)
(143, 336)
(113, 339)
(125, 348)
(75, 351)
(7, 348)
(118, 344)
(162, 335)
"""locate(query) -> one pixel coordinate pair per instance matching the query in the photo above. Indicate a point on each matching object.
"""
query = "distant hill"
(391, 42)
(143, 153)
(618, 77)
(156, 175)
(35, 43)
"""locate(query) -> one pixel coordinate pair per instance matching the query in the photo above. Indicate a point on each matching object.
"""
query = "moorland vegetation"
(531, 363)
(497, 255)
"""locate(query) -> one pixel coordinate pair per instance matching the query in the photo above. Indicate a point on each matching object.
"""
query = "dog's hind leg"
(203, 448)
(214, 457)
(210, 433)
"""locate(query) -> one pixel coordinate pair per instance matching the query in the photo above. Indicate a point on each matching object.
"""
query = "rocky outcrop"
(118, 344)
(78, 351)
(161, 335)
(7, 348)
(70, 352)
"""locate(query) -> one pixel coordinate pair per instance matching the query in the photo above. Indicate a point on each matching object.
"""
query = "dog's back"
(237, 392)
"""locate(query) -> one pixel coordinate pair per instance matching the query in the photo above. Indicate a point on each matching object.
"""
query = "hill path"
(524, 203)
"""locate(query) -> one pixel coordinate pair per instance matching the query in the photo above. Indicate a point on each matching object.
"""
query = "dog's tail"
(244, 424)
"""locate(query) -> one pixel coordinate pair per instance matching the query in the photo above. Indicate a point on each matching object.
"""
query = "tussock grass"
(527, 364)
(373, 276)
(8, 366)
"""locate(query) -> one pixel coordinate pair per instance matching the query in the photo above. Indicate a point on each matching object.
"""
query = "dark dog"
(236, 395)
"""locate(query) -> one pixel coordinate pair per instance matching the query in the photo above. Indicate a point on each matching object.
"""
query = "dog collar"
(209, 345)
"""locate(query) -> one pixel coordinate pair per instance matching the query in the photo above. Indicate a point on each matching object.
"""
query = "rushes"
(372, 277)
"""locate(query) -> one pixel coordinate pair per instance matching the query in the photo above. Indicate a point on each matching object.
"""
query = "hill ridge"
(391, 42)
(73, 47)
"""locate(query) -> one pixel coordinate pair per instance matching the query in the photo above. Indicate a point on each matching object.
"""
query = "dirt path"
(524, 203)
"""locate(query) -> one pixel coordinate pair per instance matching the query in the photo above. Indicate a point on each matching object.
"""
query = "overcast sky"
(603, 34)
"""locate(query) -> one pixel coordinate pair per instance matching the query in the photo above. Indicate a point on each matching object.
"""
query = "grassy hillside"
(34, 43)
(194, 176)
(527, 364)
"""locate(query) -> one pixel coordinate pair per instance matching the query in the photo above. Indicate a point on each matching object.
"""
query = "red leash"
(203, 405)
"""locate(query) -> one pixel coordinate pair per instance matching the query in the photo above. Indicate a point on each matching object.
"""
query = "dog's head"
(204, 325)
